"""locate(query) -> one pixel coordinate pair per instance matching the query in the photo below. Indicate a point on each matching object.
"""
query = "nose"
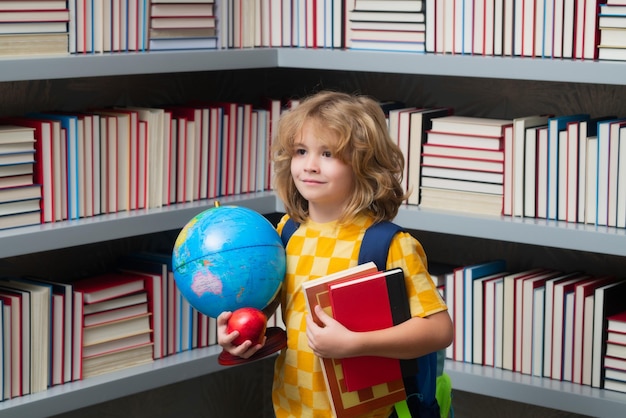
(312, 163)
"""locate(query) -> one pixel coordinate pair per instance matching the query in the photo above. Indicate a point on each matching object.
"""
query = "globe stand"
(276, 339)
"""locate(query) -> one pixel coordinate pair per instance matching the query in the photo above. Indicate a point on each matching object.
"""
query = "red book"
(344, 402)
(108, 286)
(361, 305)
(14, 301)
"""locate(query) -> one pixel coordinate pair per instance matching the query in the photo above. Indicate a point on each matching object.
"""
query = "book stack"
(183, 25)
(615, 358)
(177, 325)
(463, 164)
(31, 28)
(397, 25)
(112, 327)
(363, 299)
(20, 197)
(612, 26)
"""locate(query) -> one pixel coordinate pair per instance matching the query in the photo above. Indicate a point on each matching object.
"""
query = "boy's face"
(321, 178)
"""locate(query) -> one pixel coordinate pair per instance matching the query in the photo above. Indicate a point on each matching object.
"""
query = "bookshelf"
(533, 232)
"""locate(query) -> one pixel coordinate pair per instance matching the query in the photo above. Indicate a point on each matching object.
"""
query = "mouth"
(311, 181)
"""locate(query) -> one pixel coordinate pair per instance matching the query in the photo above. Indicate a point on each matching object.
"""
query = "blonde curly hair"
(362, 140)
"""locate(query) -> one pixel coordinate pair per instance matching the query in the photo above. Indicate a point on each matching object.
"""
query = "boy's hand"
(332, 340)
(225, 340)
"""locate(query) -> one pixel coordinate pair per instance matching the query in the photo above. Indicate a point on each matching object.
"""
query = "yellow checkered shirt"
(317, 250)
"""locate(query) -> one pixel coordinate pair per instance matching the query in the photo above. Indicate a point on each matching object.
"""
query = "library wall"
(249, 386)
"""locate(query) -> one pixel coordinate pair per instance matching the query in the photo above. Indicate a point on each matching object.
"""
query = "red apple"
(251, 324)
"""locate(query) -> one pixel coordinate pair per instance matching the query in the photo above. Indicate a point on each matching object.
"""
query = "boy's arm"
(413, 338)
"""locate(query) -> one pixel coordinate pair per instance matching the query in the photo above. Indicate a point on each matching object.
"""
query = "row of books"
(539, 322)
(492, 27)
(118, 159)
(54, 332)
(547, 29)
(102, 161)
(565, 167)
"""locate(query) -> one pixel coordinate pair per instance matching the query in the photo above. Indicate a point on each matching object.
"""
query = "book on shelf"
(419, 124)
(20, 206)
(457, 200)
(12, 323)
(608, 301)
(463, 163)
(469, 125)
(108, 286)
(606, 176)
(614, 349)
(462, 185)
(462, 140)
(583, 328)
(515, 158)
(529, 325)
(114, 329)
(480, 313)
(389, 5)
(344, 402)
(156, 278)
(96, 289)
(60, 326)
(33, 44)
(556, 125)
(464, 304)
(116, 303)
(37, 299)
(70, 169)
(182, 9)
(26, 15)
(616, 322)
(99, 318)
(19, 193)
(509, 299)
(460, 174)
(116, 360)
(555, 289)
(467, 152)
(386, 16)
(492, 326)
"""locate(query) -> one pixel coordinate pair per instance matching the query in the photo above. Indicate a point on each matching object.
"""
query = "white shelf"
(541, 232)
(51, 236)
(555, 394)
(516, 68)
(105, 387)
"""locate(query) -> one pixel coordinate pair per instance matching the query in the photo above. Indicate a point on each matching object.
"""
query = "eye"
(327, 154)
(299, 151)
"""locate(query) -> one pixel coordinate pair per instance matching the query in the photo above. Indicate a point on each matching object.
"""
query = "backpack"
(429, 390)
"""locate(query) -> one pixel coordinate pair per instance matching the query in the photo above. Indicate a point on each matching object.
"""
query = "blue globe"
(228, 257)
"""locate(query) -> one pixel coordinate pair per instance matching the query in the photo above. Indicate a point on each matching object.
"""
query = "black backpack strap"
(376, 242)
(288, 229)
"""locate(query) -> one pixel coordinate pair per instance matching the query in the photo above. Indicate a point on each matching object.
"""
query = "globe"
(228, 257)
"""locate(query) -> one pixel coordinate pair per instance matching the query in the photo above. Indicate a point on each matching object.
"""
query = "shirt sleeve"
(407, 253)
